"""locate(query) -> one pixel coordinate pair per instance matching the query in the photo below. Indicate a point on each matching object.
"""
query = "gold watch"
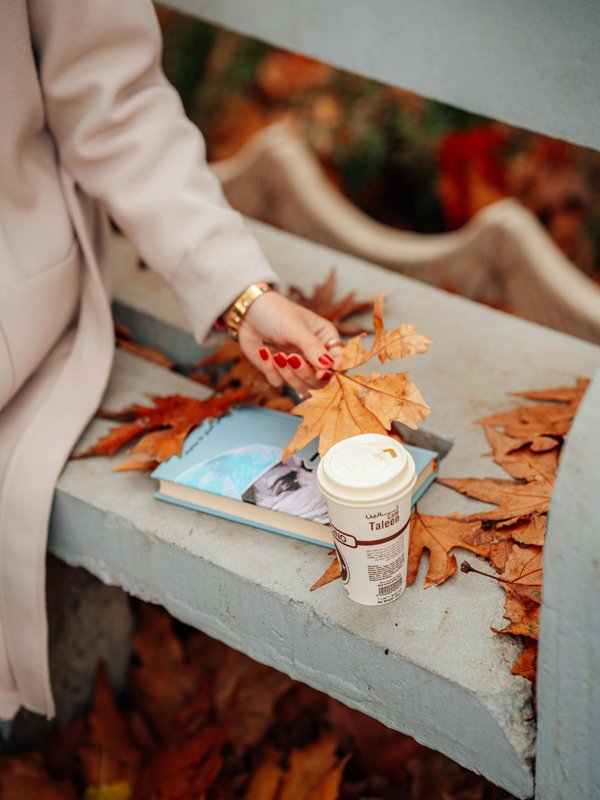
(240, 307)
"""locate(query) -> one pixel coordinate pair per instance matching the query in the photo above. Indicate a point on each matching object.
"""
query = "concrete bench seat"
(427, 665)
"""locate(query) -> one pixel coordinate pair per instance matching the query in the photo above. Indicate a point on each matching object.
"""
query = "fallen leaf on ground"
(560, 394)
(437, 535)
(332, 572)
(533, 424)
(25, 776)
(353, 404)
(526, 664)
(521, 462)
(515, 501)
(109, 753)
(314, 773)
(111, 791)
(161, 655)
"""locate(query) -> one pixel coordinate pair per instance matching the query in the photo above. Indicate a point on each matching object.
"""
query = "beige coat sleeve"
(120, 130)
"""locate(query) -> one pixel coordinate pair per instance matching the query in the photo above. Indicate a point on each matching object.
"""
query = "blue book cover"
(231, 466)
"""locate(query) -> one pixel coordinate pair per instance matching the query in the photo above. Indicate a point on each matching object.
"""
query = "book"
(230, 466)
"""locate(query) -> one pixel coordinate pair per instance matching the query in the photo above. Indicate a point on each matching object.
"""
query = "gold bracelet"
(241, 306)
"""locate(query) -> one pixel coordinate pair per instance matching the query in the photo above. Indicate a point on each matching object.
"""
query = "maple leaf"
(353, 404)
(543, 426)
(439, 535)
(314, 773)
(521, 462)
(112, 791)
(109, 753)
(126, 341)
(515, 501)
(530, 530)
(332, 573)
(160, 656)
(522, 581)
(526, 664)
(227, 367)
(25, 776)
(322, 303)
(523, 573)
(164, 427)
(423, 536)
(560, 394)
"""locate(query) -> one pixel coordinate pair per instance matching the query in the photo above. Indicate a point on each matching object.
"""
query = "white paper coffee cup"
(367, 481)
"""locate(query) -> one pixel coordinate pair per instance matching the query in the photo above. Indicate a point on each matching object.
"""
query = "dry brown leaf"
(170, 420)
(437, 535)
(401, 342)
(353, 404)
(521, 462)
(109, 754)
(25, 777)
(490, 542)
(523, 573)
(528, 531)
(526, 664)
(266, 782)
(533, 423)
(332, 573)
(515, 501)
(522, 581)
(239, 372)
(314, 773)
(126, 341)
(160, 655)
(337, 311)
(561, 394)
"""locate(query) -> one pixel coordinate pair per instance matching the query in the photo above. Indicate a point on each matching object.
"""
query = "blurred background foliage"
(407, 161)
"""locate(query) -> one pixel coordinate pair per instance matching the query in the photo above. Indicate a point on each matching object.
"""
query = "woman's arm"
(120, 130)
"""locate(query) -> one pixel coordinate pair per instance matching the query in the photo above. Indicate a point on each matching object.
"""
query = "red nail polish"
(294, 362)
(326, 375)
(264, 353)
(280, 360)
(326, 360)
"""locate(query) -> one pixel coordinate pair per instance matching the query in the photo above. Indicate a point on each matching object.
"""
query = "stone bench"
(427, 665)
(503, 256)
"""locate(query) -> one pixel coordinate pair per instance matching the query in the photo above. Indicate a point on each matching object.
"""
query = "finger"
(321, 352)
(312, 348)
(260, 356)
(295, 376)
(303, 371)
(335, 348)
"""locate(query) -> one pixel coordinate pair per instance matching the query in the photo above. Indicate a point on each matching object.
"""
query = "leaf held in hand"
(353, 404)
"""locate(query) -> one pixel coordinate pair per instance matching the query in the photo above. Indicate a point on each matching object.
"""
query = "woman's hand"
(289, 343)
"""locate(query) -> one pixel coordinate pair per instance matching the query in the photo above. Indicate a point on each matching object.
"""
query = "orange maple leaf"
(515, 501)
(353, 404)
(526, 664)
(164, 426)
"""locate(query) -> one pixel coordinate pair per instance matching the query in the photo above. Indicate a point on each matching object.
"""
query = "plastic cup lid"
(366, 469)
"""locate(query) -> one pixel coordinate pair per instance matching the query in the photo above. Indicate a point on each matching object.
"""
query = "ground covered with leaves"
(200, 720)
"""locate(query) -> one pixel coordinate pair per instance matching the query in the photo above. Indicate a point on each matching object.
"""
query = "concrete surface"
(569, 656)
(427, 665)
(531, 64)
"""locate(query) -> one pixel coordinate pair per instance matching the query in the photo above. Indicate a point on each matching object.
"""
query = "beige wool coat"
(88, 127)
